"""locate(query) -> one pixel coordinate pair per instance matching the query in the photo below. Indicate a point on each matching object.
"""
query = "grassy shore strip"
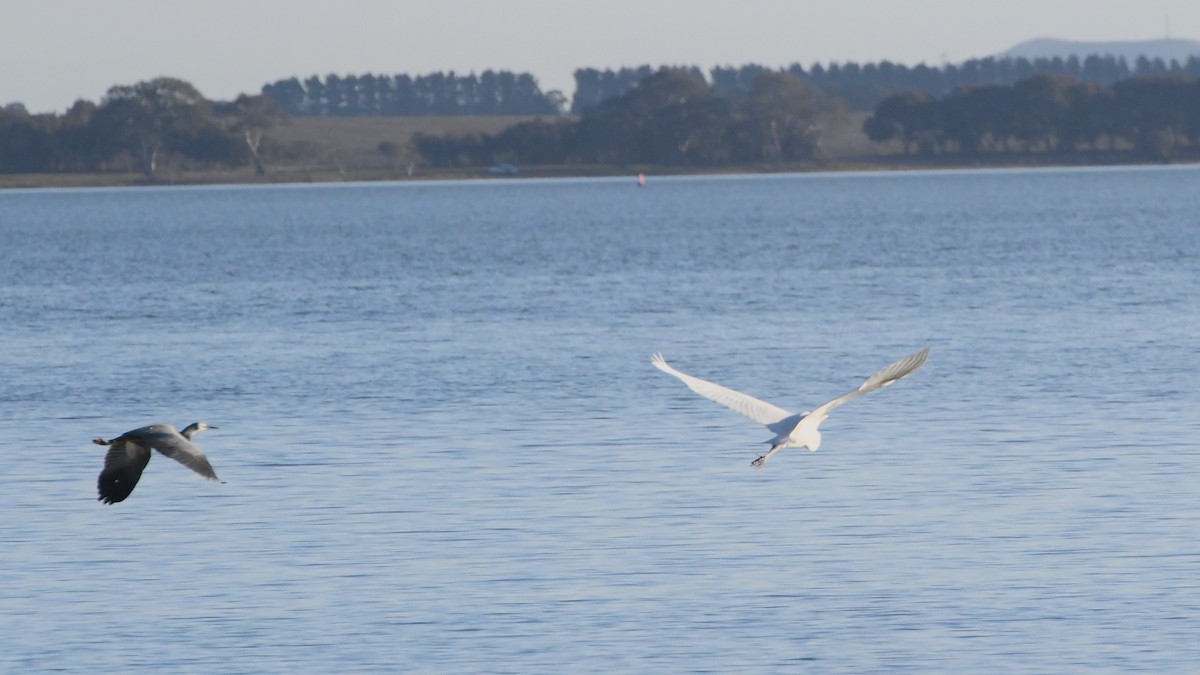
(326, 175)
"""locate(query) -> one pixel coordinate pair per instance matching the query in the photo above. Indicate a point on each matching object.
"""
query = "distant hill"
(1167, 49)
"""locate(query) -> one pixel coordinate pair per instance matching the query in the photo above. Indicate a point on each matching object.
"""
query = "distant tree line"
(137, 126)
(1154, 115)
(672, 117)
(863, 86)
(490, 93)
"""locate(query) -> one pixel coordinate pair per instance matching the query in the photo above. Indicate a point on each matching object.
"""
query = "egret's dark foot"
(100, 441)
(759, 462)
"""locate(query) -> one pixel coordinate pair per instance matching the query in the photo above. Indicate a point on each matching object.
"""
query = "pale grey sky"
(53, 52)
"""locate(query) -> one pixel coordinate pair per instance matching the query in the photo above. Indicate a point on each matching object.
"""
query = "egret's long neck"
(189, 430)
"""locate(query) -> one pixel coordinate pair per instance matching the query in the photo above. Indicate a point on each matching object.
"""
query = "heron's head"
(195, 427)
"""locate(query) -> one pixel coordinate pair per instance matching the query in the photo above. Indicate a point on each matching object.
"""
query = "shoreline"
(300, 176)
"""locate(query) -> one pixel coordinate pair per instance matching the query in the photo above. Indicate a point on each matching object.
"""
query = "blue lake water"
(445, 449)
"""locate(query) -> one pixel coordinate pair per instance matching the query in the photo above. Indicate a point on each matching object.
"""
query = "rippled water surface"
(445, 449)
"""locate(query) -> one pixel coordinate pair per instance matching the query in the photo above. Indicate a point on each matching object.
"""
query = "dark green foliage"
(1155, 115)
(139, 124)
(672, 117)
(912, 118)
(154, 117)
(26, 143)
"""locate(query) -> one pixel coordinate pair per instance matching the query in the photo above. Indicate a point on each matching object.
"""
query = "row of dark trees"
(491, 93)
(1155, 116)
(672, 117)
(508, 93)
(136, 126)
(863, 86)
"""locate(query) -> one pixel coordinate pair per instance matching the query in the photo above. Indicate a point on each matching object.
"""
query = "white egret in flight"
(791, 429)
(129, 453)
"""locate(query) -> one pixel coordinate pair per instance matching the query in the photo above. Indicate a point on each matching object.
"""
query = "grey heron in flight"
(129, 453)
(791, 429)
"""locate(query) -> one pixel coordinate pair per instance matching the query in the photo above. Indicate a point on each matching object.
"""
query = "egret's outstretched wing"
(759, 411)
(164, 438)
(123, 466)
(898, 370)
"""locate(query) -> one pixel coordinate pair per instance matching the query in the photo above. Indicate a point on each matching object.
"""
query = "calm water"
(446, 451)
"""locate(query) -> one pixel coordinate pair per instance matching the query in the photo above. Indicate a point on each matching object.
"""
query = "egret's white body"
(791, 429)
(129, 453)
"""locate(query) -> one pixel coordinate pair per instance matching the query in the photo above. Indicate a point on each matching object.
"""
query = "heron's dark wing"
(123, 466)
(896, 371)
(759, 411)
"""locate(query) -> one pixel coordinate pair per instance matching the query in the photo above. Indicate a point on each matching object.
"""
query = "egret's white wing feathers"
(792, 430)
(744, 404)
(896, 371)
